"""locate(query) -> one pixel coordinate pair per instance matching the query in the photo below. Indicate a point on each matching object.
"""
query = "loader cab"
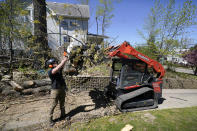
(128, 72)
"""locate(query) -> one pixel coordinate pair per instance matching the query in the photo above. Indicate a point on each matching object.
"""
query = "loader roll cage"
(125, 50)
(128, 72)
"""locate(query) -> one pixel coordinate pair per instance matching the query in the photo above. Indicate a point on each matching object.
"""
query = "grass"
(183, 119)
(172, 74)
(104, 70)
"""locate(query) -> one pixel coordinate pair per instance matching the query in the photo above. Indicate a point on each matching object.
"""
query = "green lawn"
(184, 119)
(104, 70)
(171, 74)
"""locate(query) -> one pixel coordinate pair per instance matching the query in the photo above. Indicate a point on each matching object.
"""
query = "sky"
(129, 18)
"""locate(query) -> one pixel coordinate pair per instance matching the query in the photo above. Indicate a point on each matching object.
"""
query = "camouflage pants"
(57, 95)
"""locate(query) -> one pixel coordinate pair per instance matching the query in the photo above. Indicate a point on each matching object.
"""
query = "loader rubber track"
(125, 97)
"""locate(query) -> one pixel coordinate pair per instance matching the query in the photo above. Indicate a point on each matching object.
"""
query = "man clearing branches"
(58, 87)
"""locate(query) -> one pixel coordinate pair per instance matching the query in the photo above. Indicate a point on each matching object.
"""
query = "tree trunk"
(40, 24)
(11, 53)
(195, 72)
(97, 25)
(40, 33)
(103, 25)
(10, 37)
(1, 45)
(96, 30)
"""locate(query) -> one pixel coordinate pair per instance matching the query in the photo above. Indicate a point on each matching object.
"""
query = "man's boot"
(51, 123)
(63, 115)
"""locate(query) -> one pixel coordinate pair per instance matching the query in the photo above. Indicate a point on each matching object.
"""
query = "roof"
(98, 36)
(69, 10)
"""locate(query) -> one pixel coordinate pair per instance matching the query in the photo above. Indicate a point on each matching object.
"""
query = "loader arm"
(125, 49)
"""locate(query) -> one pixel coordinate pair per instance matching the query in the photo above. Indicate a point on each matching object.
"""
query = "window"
(64, 24)
(27, 15)
(66, 39)
(73, 23)
(25, 19)
(28, 12)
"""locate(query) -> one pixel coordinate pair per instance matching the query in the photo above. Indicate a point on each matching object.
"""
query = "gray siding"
(53, 32)
(65, 29)
(79, 30)
(57, 35)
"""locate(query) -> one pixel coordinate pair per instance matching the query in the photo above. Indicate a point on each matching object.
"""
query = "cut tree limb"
(16, 86)
(36, 90)
(43, 82)
(35, 83)
(28, 84)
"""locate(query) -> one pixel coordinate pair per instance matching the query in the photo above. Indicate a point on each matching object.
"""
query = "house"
(65, 23)
(177, 57)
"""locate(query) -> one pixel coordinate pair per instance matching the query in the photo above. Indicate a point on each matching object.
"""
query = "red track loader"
(136, 80)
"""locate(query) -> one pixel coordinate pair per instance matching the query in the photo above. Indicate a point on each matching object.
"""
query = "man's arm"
(56, 69)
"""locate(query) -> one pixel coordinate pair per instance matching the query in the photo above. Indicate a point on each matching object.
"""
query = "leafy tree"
(104, 14)
(87, 55)
(193, 48)
(12, 29)
(191, 58)
(166, 24)
(84, 2)
(148, 50)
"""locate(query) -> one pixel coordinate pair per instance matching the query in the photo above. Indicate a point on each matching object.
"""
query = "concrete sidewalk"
(178, 98)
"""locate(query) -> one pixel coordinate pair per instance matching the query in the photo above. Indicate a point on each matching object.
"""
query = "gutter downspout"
(60, 36)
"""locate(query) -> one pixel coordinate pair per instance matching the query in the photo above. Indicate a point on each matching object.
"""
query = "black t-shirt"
(57, 80)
